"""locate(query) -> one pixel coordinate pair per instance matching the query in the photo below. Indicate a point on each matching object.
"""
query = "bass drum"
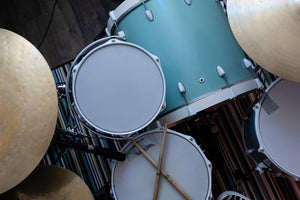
(183, 160)
(117, 88)
(191, 41)
(271, 135)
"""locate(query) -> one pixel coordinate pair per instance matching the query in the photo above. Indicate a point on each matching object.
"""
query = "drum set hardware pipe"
(104, 152)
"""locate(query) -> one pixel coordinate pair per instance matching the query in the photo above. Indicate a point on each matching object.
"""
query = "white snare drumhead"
(183, 160)
(278, 120)
(118, 88)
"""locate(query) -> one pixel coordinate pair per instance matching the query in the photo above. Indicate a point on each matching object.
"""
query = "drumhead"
(118, 87)
(183, 160)
(277, 125)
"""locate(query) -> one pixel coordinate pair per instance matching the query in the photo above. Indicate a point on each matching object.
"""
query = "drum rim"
(213, 98)
(123, 9)
(190, 139)
(111, 42)
(262, 147)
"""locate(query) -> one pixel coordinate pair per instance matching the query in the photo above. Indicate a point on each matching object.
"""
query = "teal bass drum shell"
(191, 41)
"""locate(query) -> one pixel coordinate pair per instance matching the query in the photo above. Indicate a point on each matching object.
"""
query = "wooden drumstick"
(158, 170)
(163, 172)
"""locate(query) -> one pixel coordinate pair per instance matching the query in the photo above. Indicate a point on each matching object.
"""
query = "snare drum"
(272, 135)
(118, 88)
(191, 41)
(183, 160)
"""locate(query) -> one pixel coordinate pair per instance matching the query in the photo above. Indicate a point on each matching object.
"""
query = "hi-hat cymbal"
(48, 183)
(268, 31)
(28, 108)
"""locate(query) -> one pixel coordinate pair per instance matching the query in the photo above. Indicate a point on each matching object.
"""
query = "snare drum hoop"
(77, 68)
(190, 139)
(262, 147)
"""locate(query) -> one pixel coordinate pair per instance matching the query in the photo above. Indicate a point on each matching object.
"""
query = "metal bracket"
(188, 2)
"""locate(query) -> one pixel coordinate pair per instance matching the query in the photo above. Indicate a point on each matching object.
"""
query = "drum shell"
(252, 145)
(191, 42)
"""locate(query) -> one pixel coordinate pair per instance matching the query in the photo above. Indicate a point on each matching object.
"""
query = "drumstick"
(158, 170)
(163, 172)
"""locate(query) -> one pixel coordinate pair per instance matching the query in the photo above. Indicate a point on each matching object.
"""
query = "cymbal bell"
(50, 182)
(28, 108)
(268, 31)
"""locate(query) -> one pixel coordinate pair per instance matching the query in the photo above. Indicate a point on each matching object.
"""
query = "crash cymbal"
(268, 31)
(28, 108)
(50, 182)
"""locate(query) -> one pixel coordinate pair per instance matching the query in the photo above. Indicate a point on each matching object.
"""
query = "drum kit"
(162, 62)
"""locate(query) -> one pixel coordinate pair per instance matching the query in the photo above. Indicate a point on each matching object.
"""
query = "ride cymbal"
(28, 108)
(49, 183)
(268, 31)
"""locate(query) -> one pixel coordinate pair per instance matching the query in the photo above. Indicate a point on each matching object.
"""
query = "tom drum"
(272, 134)
(118, 88)
(183, 160)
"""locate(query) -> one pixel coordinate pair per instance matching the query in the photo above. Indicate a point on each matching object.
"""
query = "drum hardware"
(103, 152)
(148, 12)
(66, 138)
(249, 65)
(121, 34)
(278, 47)
(188, 2)
(163, 172)
(222, 74)
(158, 172)
(182, 91)
(223, 3)
(61, 90)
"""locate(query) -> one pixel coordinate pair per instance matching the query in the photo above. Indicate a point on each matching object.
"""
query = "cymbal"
(28, 108)
(268, 31)
(50, 182)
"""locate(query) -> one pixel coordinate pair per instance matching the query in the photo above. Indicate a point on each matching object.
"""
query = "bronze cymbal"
(50, 182)
(268, 31)
(28, 108)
